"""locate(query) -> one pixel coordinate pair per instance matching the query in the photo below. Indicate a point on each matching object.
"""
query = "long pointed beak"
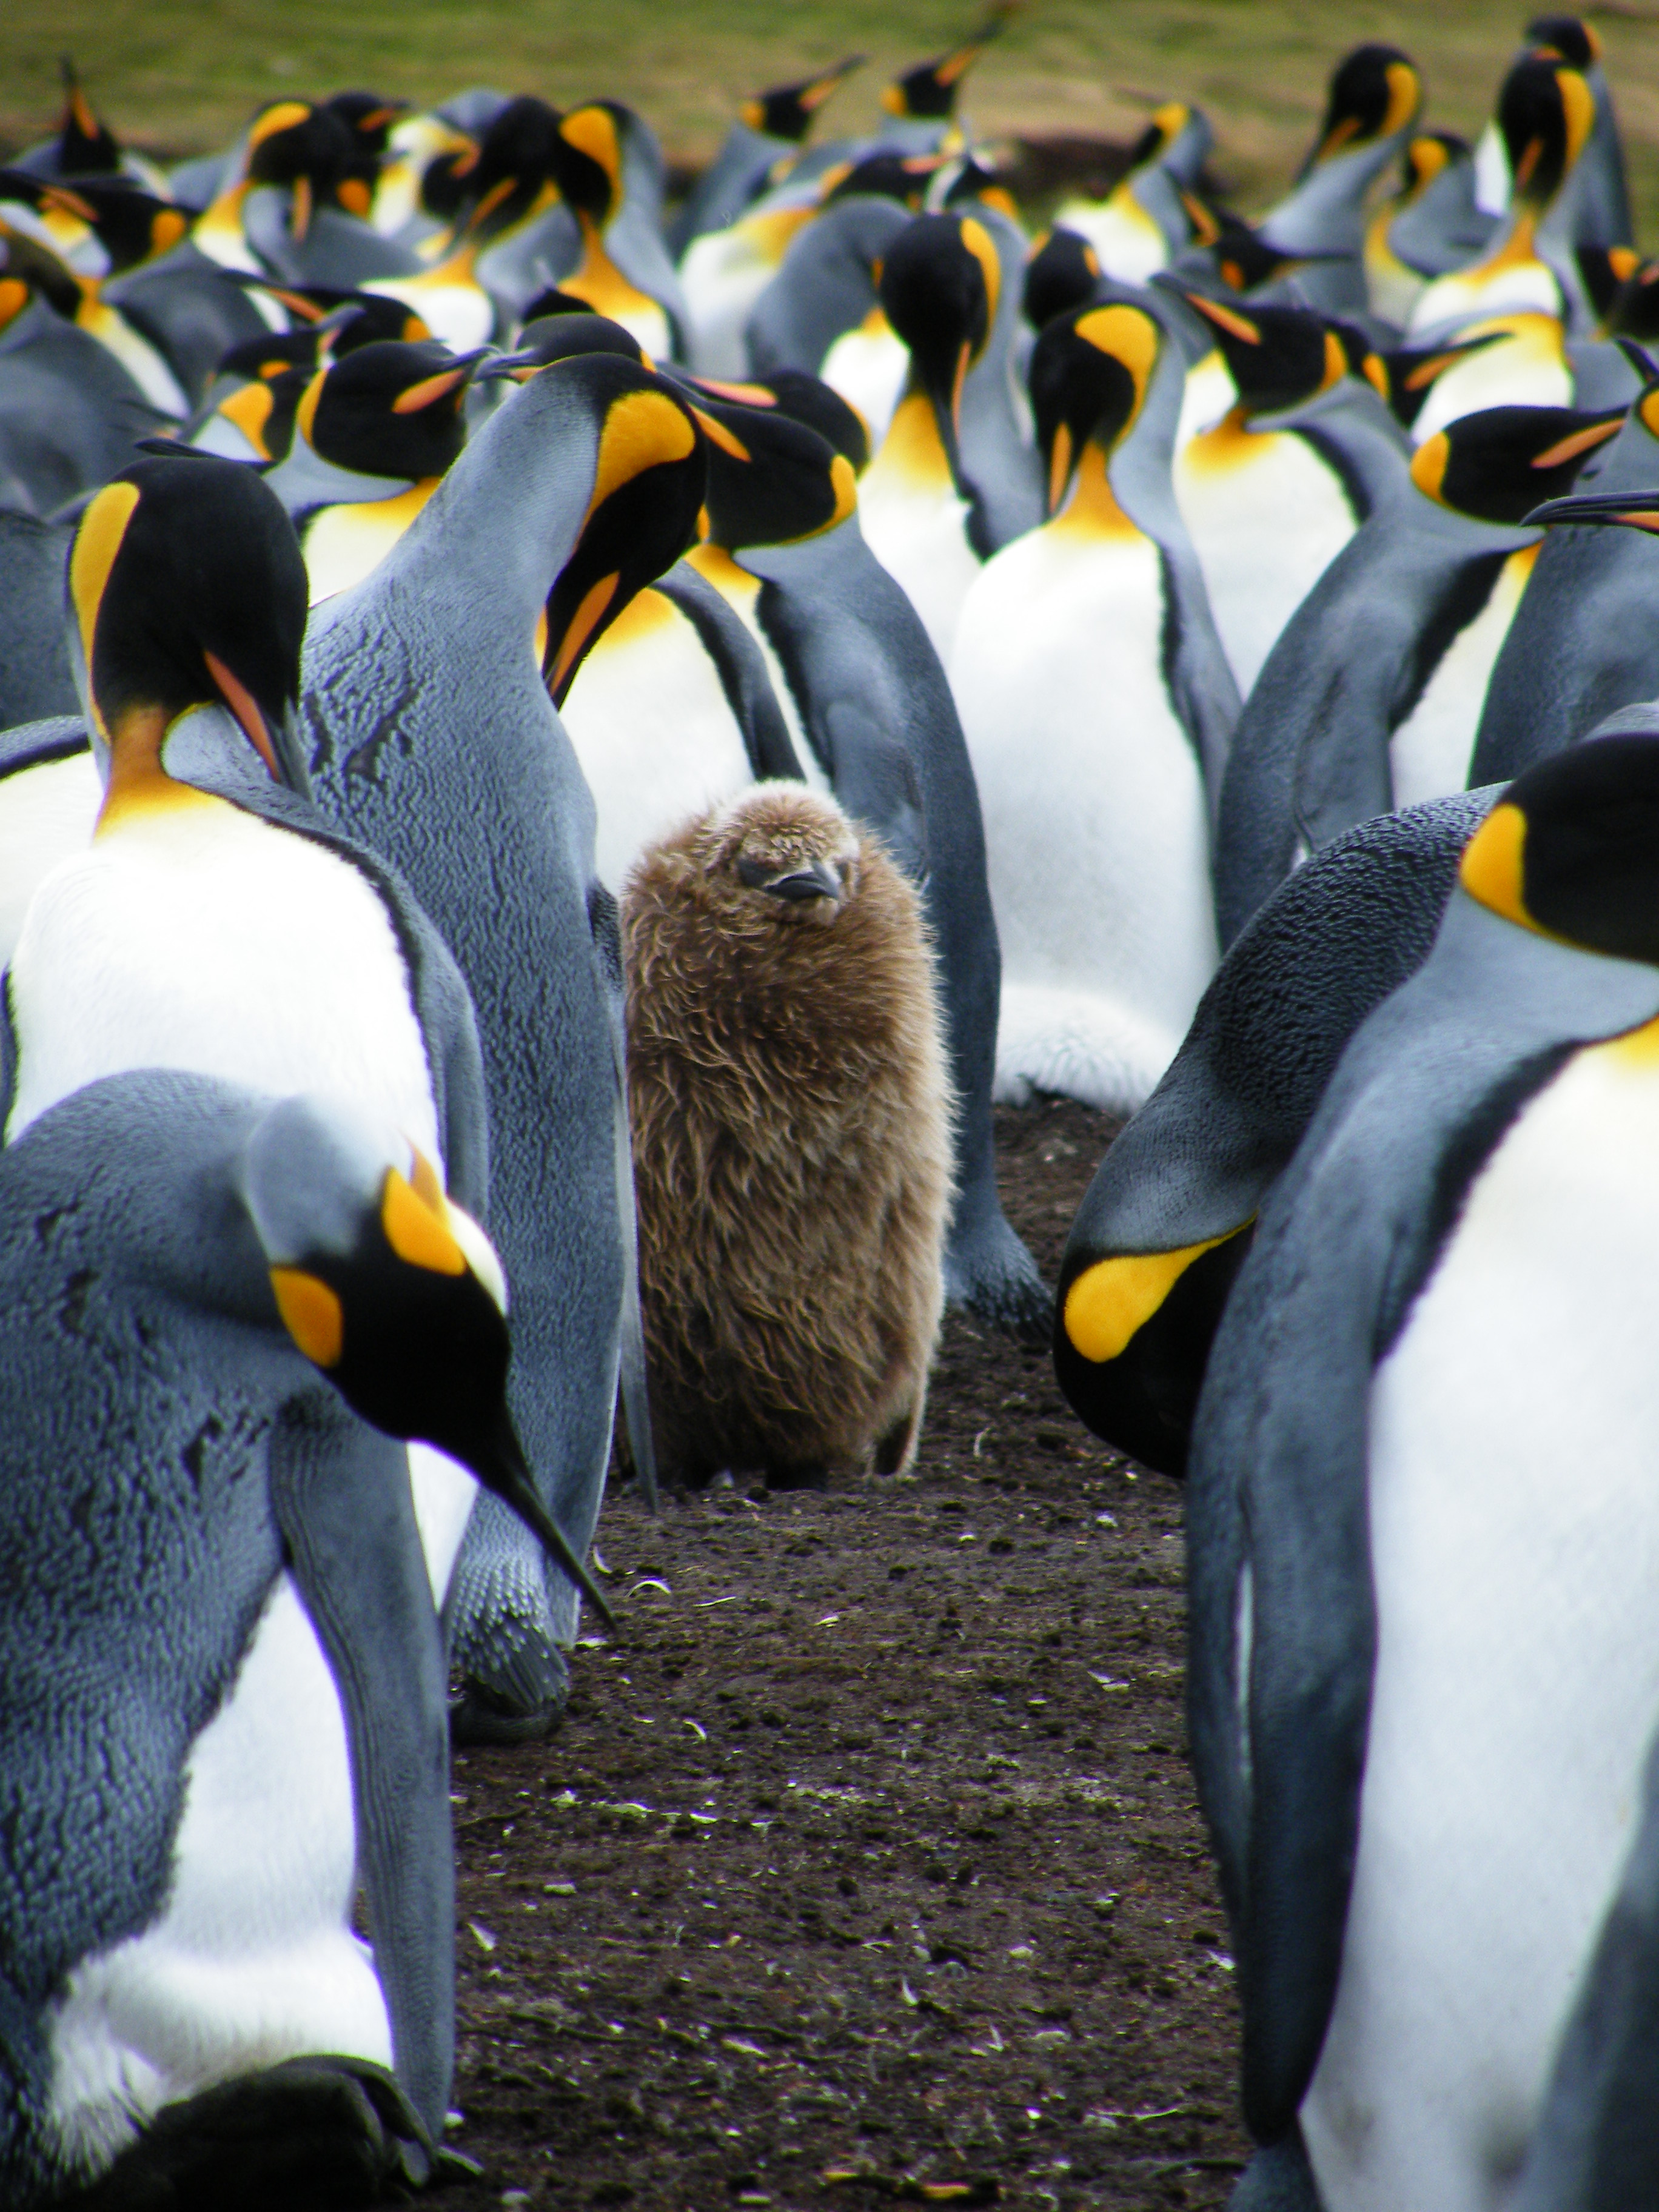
(1636, 510)
(506, 1471)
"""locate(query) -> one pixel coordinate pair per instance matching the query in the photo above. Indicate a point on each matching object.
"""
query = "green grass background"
(181, 75)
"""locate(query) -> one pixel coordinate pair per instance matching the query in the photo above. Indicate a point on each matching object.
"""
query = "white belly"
(253, 1959)
(1518, 288)
(920, 535)
(656, 738)
(868, 367)
(1429, 753)
(1267, 517)
(461, 314)
(1095, 821)
(724, 274)
(45, 814)
(209, 940)
(1129, 245)
(345, 543)
(1514, 1534)
(1506, 374)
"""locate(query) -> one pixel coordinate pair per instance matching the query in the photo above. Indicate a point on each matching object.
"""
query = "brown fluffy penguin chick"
(792, 1141)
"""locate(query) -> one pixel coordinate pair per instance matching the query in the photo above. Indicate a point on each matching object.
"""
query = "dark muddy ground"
(868, 1866)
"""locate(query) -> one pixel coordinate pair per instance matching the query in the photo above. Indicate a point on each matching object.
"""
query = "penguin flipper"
(1596, 2145)
(341, 1497)
(742, 670)
(633, 1379)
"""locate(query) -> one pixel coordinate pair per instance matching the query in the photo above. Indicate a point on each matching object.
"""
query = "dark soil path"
(868, 1866)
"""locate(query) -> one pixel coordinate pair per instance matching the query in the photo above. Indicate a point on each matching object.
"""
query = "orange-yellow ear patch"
(97, 542)
(1110, 1302)
(641, 429)
(1492, 869)
(415, 1232)
(311, 1314)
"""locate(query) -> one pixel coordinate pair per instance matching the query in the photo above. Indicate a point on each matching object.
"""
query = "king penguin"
(215, 921)
(1375, 97)
(608, 169)
(1273, 492)
(1432, 225)
(1546, 113)
(1424, 1676)
(1159, 1236)
(1094, 693)
(760, 149)
(1372, 698)
(1143, 223)
(433, 738)
(1583, 641)
(922, 517)
(226, 1671)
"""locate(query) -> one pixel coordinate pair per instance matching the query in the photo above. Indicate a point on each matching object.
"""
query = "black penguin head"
(1634, 311)
(1605, 270)
(130, 224)
(86, 146)
(392, 1290)
(587, 159)
(1061, 274)
(389, 409)
(1090, 371)
(940, 287)
(772, 481)
(1427, 157)
(515, 166)
(788, 854)
(1572, 849)
(650, 475)
(1546, 113)
(1241, 258)
(787, 111)
(553, 337)
(1495, 466)
(554, 301)
(264, 408)
(1278, 356)
(928, 92)
(1411, 372)
(886, 176)
(1565, 39)
(806, 398)
(368, 116)
(373, 319)
(305, 147)
(187, 588)
(1374, 93)
(37, 269)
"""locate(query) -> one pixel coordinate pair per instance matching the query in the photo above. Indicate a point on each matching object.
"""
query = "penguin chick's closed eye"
(792, 1140)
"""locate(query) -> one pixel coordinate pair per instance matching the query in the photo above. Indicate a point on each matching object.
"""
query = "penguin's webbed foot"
(333, 2134)
(998, 1283)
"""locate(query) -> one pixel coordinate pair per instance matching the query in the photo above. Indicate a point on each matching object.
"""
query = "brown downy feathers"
(792, 1140)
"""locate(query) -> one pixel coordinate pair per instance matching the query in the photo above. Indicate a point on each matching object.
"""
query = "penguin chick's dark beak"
(818, 881)
(501, 1467)
(1636, 510)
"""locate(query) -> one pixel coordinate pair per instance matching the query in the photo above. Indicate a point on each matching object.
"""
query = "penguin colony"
(1204, 667)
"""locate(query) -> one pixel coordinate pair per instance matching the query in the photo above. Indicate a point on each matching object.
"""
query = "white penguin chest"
(1515, 1537)
(868, 367)
(919, 532)
(1127, 242)
(1429, 753)
(199, 936)
(345, 543)
(654, 730)
(1096, 837)
(46, 813)
(723, 275)
(1267, 517)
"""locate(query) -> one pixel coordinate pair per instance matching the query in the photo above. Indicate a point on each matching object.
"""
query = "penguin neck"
(1092, 511)
(599, 281)
(220, 233)
(913, 455)
(139, 789)
(1520, 244)
(717, 565)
